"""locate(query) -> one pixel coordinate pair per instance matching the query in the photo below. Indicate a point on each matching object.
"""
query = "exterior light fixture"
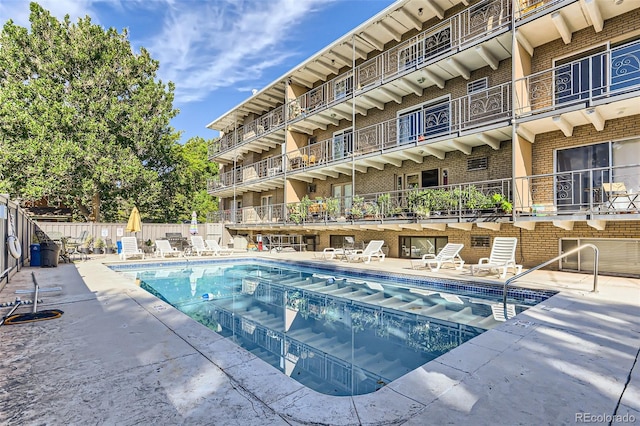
(420, 11)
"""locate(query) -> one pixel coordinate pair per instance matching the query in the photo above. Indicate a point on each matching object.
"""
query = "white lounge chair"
(198, 246)
(164, 249)
(130, 248)
(217, 249)
(373, 249)
(330, 253)
(502, 257)
(450, 253)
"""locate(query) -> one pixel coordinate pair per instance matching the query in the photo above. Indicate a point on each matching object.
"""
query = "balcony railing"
(273, 120)
(440, 40)
(579, 192)
(261, 170)
(446, 37)
(590, 80)
(478, 109)
(485, 199)
(525, 8)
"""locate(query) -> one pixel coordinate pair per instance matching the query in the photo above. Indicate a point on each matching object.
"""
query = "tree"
(83, 118)
(188, 184)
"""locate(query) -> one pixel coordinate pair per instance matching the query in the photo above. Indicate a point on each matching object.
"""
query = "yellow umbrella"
(134, 224)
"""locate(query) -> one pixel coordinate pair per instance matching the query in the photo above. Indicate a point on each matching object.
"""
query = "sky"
(215, 51)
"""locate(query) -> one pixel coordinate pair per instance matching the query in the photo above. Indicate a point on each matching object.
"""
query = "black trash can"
(49, 253)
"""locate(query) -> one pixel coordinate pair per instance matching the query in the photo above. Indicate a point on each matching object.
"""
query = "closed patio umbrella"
(193, 229)
(134, 224)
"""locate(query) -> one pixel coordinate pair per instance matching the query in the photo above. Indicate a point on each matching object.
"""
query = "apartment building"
(450, 121)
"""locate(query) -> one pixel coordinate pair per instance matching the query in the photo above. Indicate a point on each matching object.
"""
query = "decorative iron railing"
(488, 198)
(589, 80)
(478, 109)
(445, 38)
(261, 170)
(607, 190)
(526, 8)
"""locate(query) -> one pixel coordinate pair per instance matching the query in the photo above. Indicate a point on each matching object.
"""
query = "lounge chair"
(198, 246)
(217, 249)
(130, 248)
(348, 247)
(450, 253)
(164, 249)
(502, 257)
(373, 249)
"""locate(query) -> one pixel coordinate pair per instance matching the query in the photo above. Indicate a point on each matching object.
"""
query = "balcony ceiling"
(370, 37)
(412, 152)
(574, 17)
(567, 118)
(413, 82)
(259, 185)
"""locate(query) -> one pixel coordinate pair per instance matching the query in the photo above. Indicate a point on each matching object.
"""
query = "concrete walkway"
(120, 356)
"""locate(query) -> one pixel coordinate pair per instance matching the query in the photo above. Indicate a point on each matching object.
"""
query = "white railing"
(579, 192)
(587, 81)
(445, 38)
(446, 118)
(264, 169)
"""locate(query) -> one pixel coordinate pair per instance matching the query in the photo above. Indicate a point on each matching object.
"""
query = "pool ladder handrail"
(596, 252)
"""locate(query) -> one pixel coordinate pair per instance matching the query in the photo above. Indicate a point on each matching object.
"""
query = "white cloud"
(201, 45)
(223, 43)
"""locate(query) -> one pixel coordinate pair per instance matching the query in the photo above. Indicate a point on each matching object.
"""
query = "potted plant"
(503, 203)
(384, 203)
(99, 245)
(357, 207)
(332, 206)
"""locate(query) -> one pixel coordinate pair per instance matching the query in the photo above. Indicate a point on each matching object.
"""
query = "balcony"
(593, 196)
(479, 118)
(268, 128)
(592, 89)
(260, 176)
(443, 40)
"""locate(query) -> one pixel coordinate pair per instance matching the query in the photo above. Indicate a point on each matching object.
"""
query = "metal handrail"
(596, 252)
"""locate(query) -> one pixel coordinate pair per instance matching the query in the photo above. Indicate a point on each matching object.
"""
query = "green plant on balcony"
(420, 202)
(384, 203)
(503, 203)
(478, 200)
(357, 207)
(333, 206)
(370, 210)
(294, 213)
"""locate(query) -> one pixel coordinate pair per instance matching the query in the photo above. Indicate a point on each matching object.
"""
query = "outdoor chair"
(164, 249)
(217, 249)
(130, 248)
(617, 197)
(373, 249)
(502, 257)
(450, 253)
(198, 246)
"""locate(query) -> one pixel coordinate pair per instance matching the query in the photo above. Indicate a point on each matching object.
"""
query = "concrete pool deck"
(120, 356)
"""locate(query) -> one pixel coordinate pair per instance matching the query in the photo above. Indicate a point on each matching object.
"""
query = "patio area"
(120, 356)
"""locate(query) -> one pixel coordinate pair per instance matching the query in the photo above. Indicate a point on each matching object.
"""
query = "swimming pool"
(338, 332)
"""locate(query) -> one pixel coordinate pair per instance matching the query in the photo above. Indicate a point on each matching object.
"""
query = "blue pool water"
(337, 332)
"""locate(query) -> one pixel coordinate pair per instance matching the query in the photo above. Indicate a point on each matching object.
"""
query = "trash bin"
(34, 254)
(49, 253)
(119, 245)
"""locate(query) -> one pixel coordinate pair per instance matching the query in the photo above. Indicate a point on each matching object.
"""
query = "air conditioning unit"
(311, 188)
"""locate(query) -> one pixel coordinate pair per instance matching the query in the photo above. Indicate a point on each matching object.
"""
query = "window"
(581, 76)
(342, 143)
(343, 87)
(416, 247)
(420, 123)
(624, 66)
(430, 178)
(582, 170)
(343, 193)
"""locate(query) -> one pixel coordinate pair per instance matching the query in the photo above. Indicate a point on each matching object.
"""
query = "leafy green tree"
(192, 170)
(83, 119)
